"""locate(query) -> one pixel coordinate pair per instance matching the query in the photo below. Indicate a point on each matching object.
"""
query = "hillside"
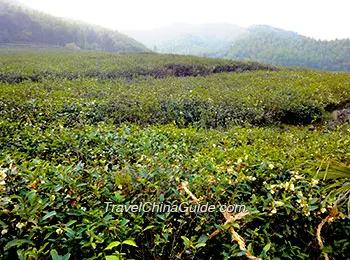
(21, 25)
(259, 43)
(279, 47)
(189, 39)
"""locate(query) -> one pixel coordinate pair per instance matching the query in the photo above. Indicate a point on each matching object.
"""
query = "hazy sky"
(315, 18)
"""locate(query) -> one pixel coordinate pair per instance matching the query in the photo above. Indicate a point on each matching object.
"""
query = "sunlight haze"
(317, 19)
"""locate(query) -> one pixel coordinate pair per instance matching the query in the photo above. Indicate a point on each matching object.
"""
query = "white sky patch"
(318, 19)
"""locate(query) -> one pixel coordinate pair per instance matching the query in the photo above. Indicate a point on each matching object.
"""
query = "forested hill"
(200, 40)
(258, 43)
(22, 25)
(279, 47)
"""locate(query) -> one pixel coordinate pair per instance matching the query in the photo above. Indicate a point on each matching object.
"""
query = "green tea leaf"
(49, 215)
(113, 244)
(112, 257)
(130, 243)
(17, 242)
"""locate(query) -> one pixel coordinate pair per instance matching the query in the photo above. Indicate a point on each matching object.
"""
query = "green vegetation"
(78, 130)
(189, 39)
(17, 66)
(19, 25)
(286, 49)
(260, 43)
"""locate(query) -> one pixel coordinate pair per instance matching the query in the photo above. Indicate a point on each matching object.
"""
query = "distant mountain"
(261, 43)
(189, 39)
(22, 25)
(279, 47)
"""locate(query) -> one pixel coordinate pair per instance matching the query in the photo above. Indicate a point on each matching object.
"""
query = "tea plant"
(71, 145)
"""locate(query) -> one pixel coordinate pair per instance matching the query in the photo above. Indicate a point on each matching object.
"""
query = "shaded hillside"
(20, 25)
(279, 47)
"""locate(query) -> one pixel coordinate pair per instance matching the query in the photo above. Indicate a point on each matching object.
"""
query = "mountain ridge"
(19, 24)
(261, 43)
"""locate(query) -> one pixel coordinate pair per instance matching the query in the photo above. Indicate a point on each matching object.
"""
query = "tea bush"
(58, 180)
(18, 66)
(70, 146)
(257, 98)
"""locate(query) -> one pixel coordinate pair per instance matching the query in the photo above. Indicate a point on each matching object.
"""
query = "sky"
(320, 19)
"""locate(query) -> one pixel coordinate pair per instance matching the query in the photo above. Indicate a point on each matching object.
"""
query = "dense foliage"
(20, 25)
(75, 139)
(19, 65)
(274, 47)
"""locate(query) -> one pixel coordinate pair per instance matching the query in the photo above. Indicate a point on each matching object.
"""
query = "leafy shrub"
(87, 134)
(57, 182)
